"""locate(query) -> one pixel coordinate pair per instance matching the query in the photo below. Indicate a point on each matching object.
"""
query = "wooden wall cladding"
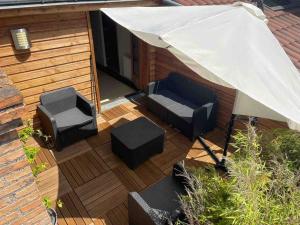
(146, 64)
(59, 57)
(166, 63)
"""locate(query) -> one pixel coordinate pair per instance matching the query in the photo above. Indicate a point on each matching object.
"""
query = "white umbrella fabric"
(230, 45)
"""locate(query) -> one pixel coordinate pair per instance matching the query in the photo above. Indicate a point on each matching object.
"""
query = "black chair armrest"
(200, 116)
(154, 86)
(209, 108)
(150, 88)
(140, 213)
(48, 121)
(85, 105)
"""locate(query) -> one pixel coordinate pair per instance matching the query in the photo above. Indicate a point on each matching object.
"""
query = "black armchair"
(159, 203)
(67, 116)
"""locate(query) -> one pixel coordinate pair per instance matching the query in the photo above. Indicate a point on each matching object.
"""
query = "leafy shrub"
(282, 145)
(262, 185)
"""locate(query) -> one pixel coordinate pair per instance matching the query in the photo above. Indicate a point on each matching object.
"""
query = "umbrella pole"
(220, 164)
(253, 121)
(228, 137)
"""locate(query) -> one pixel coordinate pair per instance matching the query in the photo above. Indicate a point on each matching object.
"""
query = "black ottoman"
(136, 141)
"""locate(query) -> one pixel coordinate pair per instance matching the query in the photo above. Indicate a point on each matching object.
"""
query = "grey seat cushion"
(164, 97)
(163, 195)
(59, 100)
(70, 118)
(174, 103)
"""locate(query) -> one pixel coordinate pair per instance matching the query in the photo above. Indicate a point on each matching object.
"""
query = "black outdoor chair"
(159, 204)
(67, 116)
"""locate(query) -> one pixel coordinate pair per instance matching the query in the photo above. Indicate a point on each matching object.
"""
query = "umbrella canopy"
(230, 45)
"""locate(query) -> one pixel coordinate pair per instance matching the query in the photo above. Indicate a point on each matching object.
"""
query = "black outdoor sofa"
(182, 102)
(159, 204)
(67, 116)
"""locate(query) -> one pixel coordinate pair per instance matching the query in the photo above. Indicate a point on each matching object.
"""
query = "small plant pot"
(53, 216)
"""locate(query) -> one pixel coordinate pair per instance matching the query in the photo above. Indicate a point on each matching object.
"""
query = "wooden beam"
(94, 67)
(144, 65)
(72, 7)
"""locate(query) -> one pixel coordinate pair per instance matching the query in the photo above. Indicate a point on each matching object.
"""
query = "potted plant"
(52, 212)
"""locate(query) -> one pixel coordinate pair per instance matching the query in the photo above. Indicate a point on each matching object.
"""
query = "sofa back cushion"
(189, 89)
(59, 100)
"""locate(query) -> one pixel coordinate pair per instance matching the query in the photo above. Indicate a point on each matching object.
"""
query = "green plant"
(282, 145)
(262, 185)
(48, 203)
(59, 203)
(39, 168)
(31, 153)
(26, 132)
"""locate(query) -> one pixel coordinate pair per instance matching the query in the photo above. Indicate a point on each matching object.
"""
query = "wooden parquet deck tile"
(118, 215)
(110, 159)
(74, 209)
(102, 194)
(71, 151)
(129, 178)
(52, 183)
(83, 168)
(122, 120)
(168, 157)
(149, 173)
(115, 112)
(102, 138)
(45, 156)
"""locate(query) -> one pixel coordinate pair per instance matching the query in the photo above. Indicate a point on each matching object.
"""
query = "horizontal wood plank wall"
(146, 64)
(59, 57)
(166, 63)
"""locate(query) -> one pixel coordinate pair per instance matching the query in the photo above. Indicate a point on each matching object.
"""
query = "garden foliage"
(262, 186)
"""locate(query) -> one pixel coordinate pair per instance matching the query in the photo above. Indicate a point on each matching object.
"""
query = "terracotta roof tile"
(285, 24)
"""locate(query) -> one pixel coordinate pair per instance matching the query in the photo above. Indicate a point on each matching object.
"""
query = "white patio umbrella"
(230, 45)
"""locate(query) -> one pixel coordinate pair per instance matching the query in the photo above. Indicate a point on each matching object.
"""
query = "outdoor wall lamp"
(21, 39)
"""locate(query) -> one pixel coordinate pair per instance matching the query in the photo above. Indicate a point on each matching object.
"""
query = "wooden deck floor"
(93, 183)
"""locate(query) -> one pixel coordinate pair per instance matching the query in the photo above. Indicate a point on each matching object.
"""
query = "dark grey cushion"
(164, 97)
(59, 100)
(174, 103)
(163, 195)
(185, 112)
(70, 118)
(137, 133)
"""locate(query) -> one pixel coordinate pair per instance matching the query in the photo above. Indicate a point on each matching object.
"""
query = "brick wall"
(20, 200)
